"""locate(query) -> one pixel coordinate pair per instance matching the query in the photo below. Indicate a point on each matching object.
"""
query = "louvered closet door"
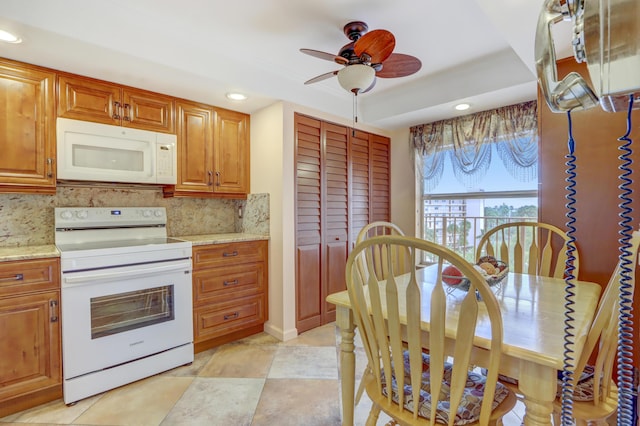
(336, 214)
(360, 183)
(380, 203)
(309, 300)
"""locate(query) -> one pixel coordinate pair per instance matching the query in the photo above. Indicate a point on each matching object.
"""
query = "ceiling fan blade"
(378, 44)
(399, 65)
(321, 77)
(325, 55)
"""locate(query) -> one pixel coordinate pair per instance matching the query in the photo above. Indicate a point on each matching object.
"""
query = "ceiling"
(476, 51)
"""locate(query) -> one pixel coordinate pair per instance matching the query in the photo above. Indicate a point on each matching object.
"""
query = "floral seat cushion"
(469, 408)
(582, 390)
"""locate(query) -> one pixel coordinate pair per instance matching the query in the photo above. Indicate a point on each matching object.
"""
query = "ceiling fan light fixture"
(356, 78)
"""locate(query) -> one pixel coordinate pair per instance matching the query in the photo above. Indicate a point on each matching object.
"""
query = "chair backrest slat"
(380, 258)
(544, 255)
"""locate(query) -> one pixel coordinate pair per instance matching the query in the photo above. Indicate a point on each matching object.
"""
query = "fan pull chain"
(355, 114)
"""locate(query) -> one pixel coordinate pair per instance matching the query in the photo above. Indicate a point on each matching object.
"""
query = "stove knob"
(66, 215)
(158, 213)
(146, 213)
(82, 214)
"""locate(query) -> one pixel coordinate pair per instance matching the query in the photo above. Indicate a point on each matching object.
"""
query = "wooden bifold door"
(342, 183)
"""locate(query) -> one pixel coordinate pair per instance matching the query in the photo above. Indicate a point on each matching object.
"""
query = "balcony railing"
(462, 233)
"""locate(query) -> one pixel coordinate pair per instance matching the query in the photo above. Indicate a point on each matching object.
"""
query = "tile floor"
(255, 381)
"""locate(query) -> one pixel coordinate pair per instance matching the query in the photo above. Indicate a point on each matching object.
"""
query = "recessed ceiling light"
(9, 38)
(236, 96)
(462, 107)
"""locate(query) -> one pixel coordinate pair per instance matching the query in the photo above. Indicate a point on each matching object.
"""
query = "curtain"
(468, 141)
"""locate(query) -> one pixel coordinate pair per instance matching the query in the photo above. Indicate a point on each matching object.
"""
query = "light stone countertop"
(200, 240)
(49, 250)
(28, 252)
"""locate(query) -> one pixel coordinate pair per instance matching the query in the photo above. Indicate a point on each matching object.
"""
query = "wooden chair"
(528, 247)
(390, 328)
(595, 394)
(401, 257)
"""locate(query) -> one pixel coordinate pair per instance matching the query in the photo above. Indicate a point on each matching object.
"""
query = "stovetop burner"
(107, 237)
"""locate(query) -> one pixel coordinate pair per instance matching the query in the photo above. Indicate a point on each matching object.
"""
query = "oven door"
(115, 315)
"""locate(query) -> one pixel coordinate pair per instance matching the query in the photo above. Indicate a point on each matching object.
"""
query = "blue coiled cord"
(625, 324)
(566, 415)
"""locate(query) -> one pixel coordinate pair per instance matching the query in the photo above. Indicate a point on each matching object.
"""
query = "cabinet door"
(27, 132)
(359, 189)
(90, 100)
(335, 214)
(309, 301)
(195, 145)
(30, 336)
(230, 156)
(380, 204)
(148, 111)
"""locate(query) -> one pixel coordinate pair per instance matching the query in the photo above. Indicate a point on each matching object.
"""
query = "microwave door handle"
(113, 275)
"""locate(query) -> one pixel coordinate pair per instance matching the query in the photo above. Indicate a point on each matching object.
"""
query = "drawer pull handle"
(233, 253)
(53, 310)
(232, 316)
(16, 277)
(228, 283)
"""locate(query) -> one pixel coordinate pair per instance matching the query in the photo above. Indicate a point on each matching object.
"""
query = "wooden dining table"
(533, 317)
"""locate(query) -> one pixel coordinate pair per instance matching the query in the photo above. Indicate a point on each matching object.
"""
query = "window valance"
(468, 141)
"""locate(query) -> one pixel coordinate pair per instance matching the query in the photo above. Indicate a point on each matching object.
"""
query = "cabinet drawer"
(229, 254)
(29, 275)
(216, 284)
(224, 318)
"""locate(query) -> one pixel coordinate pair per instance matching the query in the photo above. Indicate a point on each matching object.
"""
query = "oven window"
(127, 311)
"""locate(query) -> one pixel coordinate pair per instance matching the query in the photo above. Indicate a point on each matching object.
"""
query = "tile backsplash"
(28, 219)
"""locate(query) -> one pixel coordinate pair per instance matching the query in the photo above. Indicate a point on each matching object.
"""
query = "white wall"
(272, 171)
(403, 184)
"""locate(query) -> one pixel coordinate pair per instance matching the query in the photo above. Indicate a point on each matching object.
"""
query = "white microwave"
(100, 152)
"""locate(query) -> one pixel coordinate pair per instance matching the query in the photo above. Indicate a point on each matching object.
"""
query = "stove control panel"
(105, 217)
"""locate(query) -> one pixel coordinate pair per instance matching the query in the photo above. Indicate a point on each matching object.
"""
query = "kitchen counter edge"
(8, 254)
(201, 240)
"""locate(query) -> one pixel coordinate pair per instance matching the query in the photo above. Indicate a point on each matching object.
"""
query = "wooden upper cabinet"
(83, 98)
(195, 147)
(27, 128)
(231, 152)
(213, 159)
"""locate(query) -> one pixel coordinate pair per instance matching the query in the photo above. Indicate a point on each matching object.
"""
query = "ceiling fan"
(369, 55)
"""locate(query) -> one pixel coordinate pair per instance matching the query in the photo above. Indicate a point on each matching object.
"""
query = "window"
(478, 171)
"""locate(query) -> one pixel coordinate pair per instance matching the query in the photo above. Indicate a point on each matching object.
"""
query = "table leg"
(538, 385)
(344, 321)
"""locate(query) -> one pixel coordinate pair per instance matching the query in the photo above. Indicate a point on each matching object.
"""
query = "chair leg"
(361, 387)
(372, 420)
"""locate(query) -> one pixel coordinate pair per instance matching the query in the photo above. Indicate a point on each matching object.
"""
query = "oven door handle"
(93, 277)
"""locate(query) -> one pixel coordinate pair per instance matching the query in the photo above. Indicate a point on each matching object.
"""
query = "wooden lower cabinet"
(229, 292)
(30, 358)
